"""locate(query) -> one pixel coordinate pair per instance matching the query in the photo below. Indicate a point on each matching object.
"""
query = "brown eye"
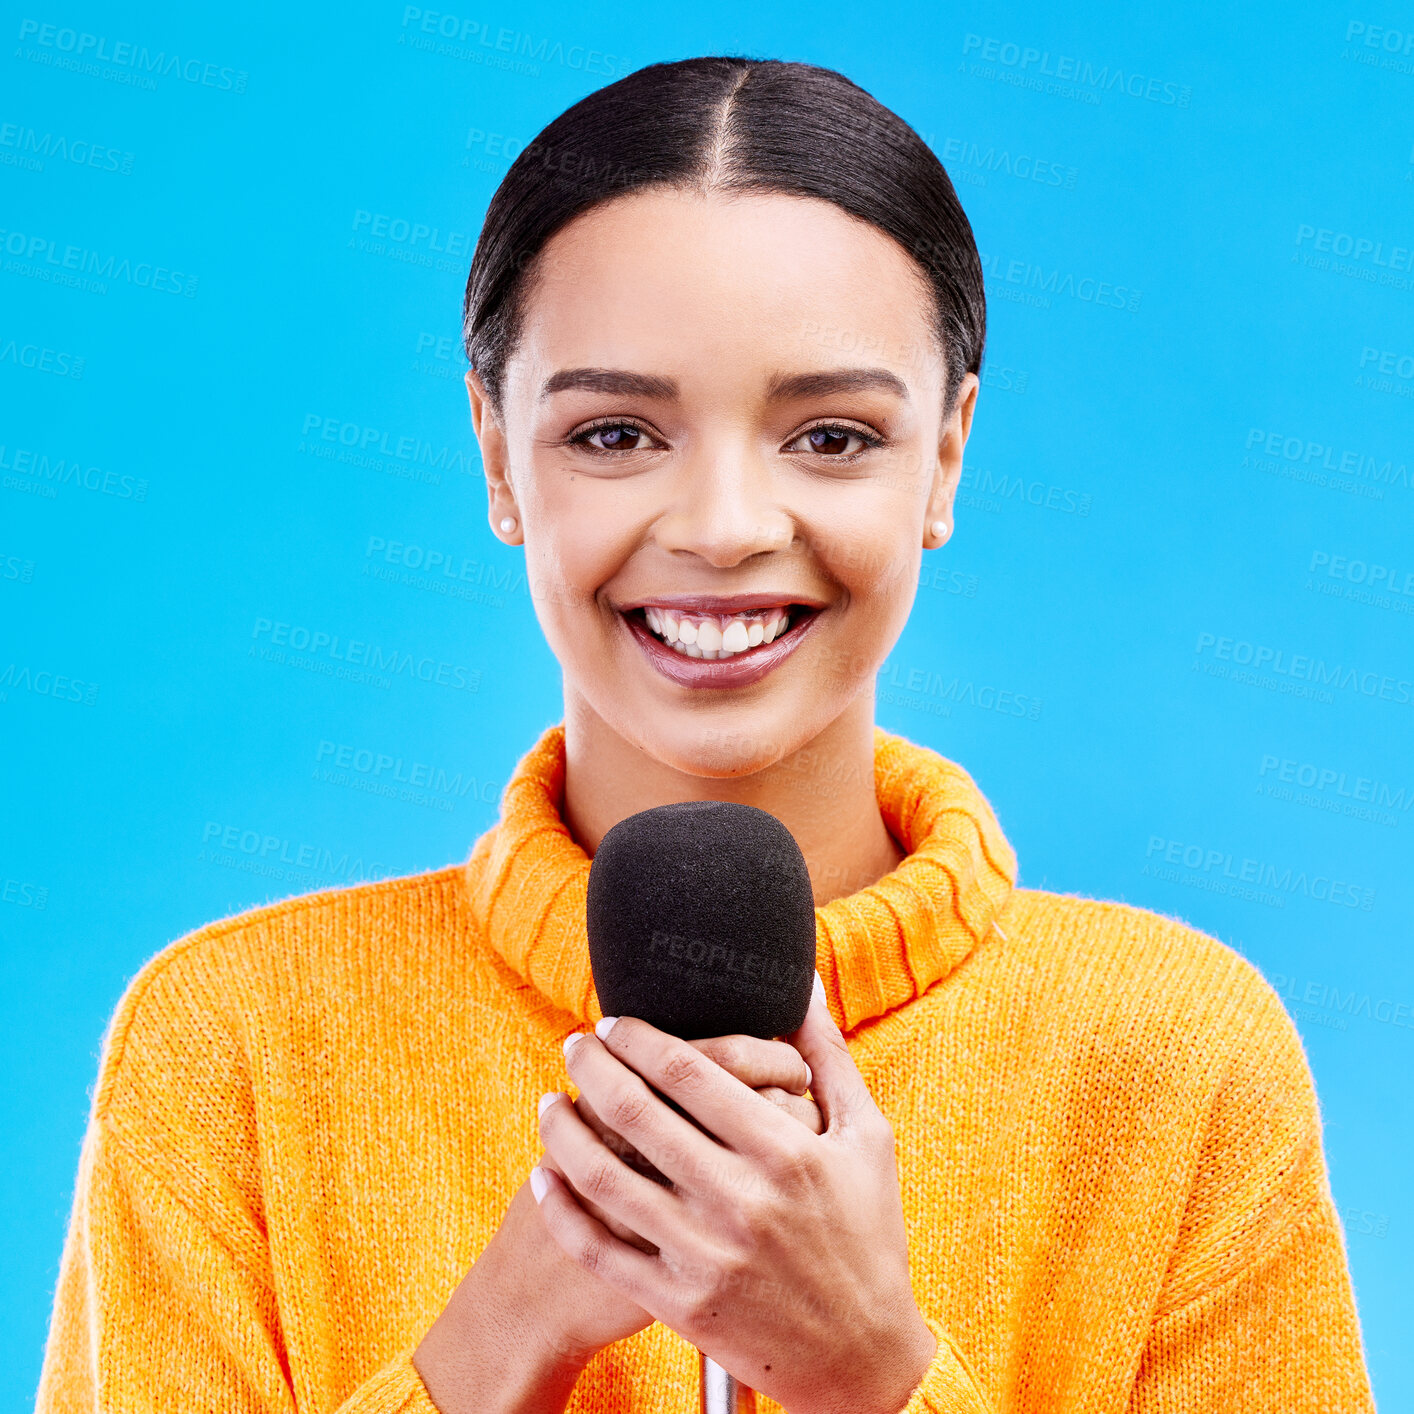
(832, 441)
(615, 437)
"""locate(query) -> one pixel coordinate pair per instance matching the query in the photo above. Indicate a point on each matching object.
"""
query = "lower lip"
(737, 671)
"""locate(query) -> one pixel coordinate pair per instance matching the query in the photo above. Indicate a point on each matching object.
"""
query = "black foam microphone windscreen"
(701, 921)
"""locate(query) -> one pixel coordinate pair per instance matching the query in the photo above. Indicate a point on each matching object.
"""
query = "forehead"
(678, 280)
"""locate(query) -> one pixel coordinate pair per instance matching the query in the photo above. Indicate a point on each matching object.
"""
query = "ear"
(947, 475)
(491, 437)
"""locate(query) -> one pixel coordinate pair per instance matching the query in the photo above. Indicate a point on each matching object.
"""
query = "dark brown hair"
(735, 125)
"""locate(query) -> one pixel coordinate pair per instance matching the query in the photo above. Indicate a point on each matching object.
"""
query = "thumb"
(836, 1083)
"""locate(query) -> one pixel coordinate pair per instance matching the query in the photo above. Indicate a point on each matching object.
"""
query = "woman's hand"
(525, 1319)
(780, 1252)
(774, 1069)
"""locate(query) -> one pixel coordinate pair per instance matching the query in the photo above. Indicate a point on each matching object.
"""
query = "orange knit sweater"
(310, 1118)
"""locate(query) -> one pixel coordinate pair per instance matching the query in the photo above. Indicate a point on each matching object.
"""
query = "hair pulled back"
(730, 125)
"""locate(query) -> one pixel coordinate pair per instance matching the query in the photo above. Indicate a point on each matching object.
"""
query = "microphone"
(701, 921)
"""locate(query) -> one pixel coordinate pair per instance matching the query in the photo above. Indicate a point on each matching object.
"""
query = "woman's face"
(722, 437)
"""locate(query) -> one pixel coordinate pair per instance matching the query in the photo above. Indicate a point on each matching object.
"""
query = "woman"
(725, 322)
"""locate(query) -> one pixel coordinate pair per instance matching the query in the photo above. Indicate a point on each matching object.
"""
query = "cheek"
(876, 558)
(578, 539)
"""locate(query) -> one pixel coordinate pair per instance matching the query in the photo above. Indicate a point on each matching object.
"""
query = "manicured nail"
(809, 1076)
(538, 1184)
(546, 1101)
(819, 990)
(603, 1026)
(572, 1040)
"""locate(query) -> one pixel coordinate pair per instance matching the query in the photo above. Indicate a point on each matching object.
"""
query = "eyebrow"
(610, 380)
(782, 386)
(837, 380)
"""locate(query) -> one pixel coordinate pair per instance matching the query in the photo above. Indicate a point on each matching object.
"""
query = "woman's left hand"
(782, 1253)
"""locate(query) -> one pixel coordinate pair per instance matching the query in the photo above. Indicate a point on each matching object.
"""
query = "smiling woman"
(1029, 1152)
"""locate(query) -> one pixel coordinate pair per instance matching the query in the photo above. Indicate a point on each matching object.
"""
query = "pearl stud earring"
(508, 524)
(939, 528)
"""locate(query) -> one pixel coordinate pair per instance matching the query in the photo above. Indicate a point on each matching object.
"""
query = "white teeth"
(716, 636)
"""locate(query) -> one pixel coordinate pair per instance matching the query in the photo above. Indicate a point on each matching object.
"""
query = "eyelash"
(870, 438)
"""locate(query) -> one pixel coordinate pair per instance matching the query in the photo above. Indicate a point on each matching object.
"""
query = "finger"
(587, 1242)
(725, 1108)
(837, 1087)
(617, 1228)
(801, 1108)
(757, 1062)
(597, 1174)
(625, 1101)
(616, 1142)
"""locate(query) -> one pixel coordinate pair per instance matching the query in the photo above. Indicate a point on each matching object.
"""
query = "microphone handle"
(721, 1392)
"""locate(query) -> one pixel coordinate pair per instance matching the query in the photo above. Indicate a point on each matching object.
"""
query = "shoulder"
(1143, 965)
(1191, 1040)
(184, 1022)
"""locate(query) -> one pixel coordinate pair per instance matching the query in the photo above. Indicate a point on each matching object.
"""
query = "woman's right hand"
(525, 1319)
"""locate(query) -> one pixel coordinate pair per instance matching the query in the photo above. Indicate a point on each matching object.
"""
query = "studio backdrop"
(256, 638)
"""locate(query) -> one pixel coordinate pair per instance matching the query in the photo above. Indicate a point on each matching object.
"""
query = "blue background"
(1192, 448)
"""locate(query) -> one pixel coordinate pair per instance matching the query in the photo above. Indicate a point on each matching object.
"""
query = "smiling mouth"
(718, 636)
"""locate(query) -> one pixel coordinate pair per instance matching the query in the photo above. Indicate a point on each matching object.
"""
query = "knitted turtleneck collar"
(875, 949)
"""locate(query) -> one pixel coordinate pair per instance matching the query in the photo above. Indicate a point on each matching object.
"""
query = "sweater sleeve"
(1257, 1310)
(154, 1311)
(1281, 1335)
(948, 1385)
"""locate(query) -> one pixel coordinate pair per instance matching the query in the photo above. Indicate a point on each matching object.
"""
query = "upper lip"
(721, 603)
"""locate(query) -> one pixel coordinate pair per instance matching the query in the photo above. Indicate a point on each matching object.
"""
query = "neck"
(823, 793)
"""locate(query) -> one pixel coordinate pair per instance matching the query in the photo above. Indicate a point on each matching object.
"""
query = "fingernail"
(809, 1076)
(603, 1026)
(571, 1041)
(538, 1184)
(819, 990)
(546, 1101)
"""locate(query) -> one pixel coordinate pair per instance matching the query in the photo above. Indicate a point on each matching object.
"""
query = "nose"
(726, 507)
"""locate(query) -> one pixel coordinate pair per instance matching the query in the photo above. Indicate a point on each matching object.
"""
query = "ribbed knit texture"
(310, 1119)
